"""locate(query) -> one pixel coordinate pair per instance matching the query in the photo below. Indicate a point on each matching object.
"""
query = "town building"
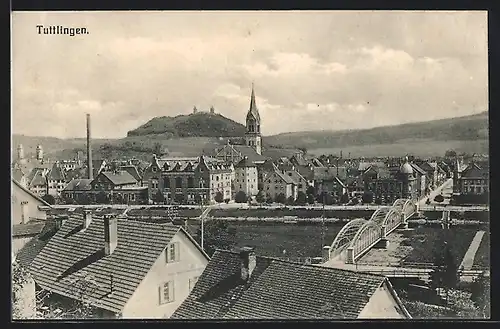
(56, 180)
(246, 178)
(25, 205)
(241, 285)
(188, 180)
(420, 180)
(123, 268)
(78, 191)
(472, 186)
(118, 187)
(276, 183)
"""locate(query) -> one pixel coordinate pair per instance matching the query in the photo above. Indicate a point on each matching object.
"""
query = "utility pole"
(202, 217)
(323, 224)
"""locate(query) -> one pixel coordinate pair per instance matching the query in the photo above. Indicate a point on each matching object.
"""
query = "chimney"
(90, 171)
(110, 234)
(87, 218)
(248, 262)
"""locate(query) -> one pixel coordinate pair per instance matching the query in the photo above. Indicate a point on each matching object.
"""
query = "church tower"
(20, 154)
(252, 135)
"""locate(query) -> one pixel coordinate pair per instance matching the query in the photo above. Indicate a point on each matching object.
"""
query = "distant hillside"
(201, 124)
(468, 128)
(432, 138)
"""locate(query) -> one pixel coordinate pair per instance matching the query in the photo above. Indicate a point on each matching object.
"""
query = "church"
(252, 150)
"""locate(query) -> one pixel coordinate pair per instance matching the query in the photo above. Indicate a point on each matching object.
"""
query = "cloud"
(312, 70)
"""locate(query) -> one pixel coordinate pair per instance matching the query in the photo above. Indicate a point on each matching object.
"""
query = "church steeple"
(252, 135)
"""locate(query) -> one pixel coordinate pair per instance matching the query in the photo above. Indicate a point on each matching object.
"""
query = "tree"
(311, 199)
(355, 201)
(450, 154)
(378, 201)
(367, 197)
(197, 198)
(310, 190)
(180, 198)
(439, 198)
(280, 198)
(219, 197)
(344, 198)
(217, 235)
(290, 200)
(158, 197)
(269, 199)
(301, 198)
(260, 197)
(481, 295)
(158, 149)
(102, 198)
(49, 199)
(118, 199)
(240, 197)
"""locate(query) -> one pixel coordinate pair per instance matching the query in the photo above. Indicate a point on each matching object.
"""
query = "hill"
(467, 129)
(200, 124)
(432, 138)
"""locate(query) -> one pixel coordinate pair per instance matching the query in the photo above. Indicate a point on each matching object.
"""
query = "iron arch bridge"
(360, 235)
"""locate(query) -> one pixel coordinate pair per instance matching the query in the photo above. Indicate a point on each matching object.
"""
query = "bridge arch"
(379, 215)
(392, 220)
(399, 204)
(409, 208)
(368, 234)
(345, 236)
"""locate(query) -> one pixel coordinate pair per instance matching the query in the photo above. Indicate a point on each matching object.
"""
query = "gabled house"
(420, 179)
(472, 185)
(246, 178)
(123, 268)
(78, 190)
(277, 182)
(241, 285)
(19, 175)
(37, 182)
(26, 205)
(333, 186)
(56, 180)
(118, 187)
(133, 171)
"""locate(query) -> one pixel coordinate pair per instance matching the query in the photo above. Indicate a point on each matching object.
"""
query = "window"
(300, 185)
(190, 182)
(178, 182)
(166, 182)
(153, 168)
(290, 174)
(132, 197)
(173, 252)
(166, 291)
(192, 282)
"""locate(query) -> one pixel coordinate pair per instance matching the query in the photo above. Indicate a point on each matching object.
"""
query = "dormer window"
(153, 169)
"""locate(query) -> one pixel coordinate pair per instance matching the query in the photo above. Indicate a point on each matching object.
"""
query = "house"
(26, 205)
(188, 180)
(19, 175)
(37, 182)
(276, 183)
(246, 178)
(118, 187)
(420, 180)
(56, 180)
(332, 186)
(472, 186)
(79, 190)
(241, 285)
(30, 238)
(124, 268)
(132, 170)
(232, 154)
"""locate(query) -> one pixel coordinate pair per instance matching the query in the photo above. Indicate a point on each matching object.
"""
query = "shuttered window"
(173, 252)
(166, 292)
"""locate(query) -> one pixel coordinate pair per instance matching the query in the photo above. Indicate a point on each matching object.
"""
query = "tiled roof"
(132, 170)
(38, 179)
(249, 152)
(17, 173)
(245, 162)
(32, 248)
(305, 171)
(56, 173)
(119, 177)
(328, 173)
(78, 185)
(75, 174)
(474, 171)
(73, 253)
(277, 290)
(28, 229)
(418, 169)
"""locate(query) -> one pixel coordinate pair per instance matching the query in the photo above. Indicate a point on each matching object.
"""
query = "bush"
(269, 199)
(344, 198)
(102, 198)
(355, 201)
(280, 198)
(260, 197)
(218, 197)
(290, 200)
(240, 197)
(439, 198)
(49, 199)
(158, 197)
(301, 199)
(310, 198)
(367, 197)
(378, 201)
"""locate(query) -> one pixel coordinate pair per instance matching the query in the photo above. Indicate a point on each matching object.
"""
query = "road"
(447, 184)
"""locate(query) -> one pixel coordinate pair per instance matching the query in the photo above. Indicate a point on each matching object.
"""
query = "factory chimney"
(90, 171)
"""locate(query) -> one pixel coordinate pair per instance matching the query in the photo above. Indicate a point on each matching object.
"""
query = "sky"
(314, 70)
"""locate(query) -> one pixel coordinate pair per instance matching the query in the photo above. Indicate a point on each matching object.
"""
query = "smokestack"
(90, 171)
(248, 262)
(110, 234)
